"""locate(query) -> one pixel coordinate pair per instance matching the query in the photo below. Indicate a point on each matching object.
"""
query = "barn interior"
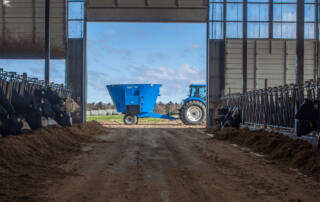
(262, 67)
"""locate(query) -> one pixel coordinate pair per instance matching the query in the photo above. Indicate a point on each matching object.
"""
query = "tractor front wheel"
(129, 119)
(193, 113)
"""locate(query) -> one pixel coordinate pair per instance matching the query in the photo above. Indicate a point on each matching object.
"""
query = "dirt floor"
(175, 165)
(150, 124)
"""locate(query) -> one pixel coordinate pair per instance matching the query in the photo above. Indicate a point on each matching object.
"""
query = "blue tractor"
(193, 111)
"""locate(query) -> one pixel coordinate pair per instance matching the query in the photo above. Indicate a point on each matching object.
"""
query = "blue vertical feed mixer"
(136, 101)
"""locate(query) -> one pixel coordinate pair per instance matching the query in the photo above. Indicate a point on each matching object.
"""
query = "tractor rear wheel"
(129, 119)
(193, 113)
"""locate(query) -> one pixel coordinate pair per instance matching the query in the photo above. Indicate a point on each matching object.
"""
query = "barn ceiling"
(22, 22)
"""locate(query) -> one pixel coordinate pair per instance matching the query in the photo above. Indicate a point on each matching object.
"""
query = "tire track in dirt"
(175, 165)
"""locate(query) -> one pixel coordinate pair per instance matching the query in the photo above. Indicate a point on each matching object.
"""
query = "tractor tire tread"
(182, 112)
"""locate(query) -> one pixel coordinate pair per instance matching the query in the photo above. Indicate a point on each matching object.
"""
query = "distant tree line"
(161, 108)
(99, 106)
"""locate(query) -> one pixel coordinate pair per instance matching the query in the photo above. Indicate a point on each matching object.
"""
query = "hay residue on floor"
(27, 159)
(294, 153)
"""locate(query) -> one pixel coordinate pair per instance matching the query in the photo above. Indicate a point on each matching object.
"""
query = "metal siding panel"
(162, 3)
(23, 36)
(269, 66)
(150, 11)
(233, 71)
(147, 15)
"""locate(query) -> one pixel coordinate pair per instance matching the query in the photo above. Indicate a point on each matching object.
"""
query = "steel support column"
(245, 47)
(255, 65)
(300, 42)
(316, 32)
(285, 62)
(224, 19)
(216, 78)
(270, 25)
(209, 122)
(299, 52)
(47, 42)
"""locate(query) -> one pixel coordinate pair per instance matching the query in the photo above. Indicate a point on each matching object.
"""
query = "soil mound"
(293, 153)
(26, 159)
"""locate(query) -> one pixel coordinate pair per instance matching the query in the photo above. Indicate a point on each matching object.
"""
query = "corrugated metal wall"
(22, 29)
(277, 65)
(147, 10)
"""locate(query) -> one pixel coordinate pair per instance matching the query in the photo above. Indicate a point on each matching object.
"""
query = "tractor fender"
(195, 98)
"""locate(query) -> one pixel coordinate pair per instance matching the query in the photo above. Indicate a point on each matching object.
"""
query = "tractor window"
(202, 92)
(193, 92)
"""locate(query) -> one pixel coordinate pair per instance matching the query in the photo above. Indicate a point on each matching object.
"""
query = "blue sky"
(170, 54)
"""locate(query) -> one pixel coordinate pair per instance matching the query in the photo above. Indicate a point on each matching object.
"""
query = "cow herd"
(28, 104)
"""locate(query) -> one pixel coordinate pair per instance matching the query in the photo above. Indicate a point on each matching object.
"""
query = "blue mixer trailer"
(136, 101)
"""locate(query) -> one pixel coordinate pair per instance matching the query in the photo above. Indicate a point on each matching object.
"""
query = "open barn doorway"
(171, 54)
(83, 14)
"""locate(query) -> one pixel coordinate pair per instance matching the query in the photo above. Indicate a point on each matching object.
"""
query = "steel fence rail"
(275, 106)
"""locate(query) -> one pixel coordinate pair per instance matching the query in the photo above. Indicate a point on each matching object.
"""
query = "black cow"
(28, 107)
(10, 126)
(6, 104)
(53, 97)
(9, 123)
(308, 117)
(62, 117)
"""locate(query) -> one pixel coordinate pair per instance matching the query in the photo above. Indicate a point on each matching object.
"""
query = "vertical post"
(300, 43)
(244, 47)
(3, 22)
(270, 25)
(209, 121)
(255, 66)
(316, 32)
(85, 74)
(47, 42)
(285, 63)
(299, 52)
(265, 83)
(224, 19)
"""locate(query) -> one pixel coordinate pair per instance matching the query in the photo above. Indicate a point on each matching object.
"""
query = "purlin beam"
(47, 42)
(245, 47)
(300, 43)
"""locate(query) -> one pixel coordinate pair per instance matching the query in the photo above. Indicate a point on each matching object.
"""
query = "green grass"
(105, 118)
(119, 118)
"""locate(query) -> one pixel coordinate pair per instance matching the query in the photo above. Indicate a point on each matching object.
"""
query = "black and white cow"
(229, 117)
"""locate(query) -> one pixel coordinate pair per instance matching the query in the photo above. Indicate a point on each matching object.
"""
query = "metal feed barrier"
(273, 107)
(22, 83)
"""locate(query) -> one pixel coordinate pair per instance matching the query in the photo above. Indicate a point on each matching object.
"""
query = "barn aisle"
(175, 165)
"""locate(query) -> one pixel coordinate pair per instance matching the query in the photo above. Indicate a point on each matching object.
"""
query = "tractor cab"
(198, 90)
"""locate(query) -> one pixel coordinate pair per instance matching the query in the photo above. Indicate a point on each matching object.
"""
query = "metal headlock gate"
(273, 107)
(23, 83)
